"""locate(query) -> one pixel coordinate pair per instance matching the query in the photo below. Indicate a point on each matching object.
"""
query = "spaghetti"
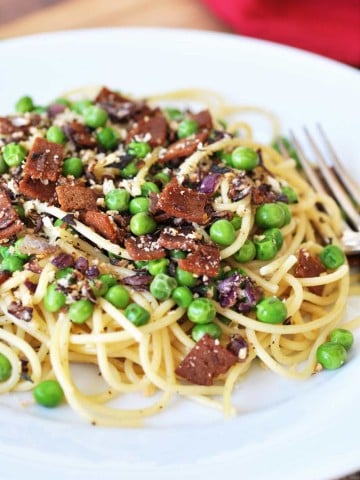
(152, 253)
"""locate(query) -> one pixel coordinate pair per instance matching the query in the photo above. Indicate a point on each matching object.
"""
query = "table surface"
(19, 17)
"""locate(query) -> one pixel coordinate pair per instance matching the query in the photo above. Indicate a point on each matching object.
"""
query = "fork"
(346, 193)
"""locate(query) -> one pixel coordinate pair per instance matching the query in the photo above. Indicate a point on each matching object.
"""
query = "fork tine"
(340, 170)
(336, 188)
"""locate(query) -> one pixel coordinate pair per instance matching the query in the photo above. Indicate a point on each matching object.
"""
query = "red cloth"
(328, 27)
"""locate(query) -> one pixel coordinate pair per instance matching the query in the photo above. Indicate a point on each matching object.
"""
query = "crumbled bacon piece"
(184, 147)
(182, 202)
(205, 260)
(144, 247)
(181, 238)
(309, 266)
(9, 219)
(205, 362)
(155, 126)
(262, 194)
(102, 224)
(6, 126)
(119, 107)
(44, 160)
(20, 311)
(36, 189)
(73, 197)
(34, 266)
(203, 119)
(80, 135)
(4, 276)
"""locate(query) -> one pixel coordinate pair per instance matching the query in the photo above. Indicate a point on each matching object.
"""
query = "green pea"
(62, 101)
(182, 296)
(185, 278)
(226, 158)
(81, 310)
(342, 336)
(201, 310)
(98, 288)
(137, 314)
(223, 232)
(3, 166)
(4, 251)
(270, 215)
(39, 110)
(118, 296)
(290, 193)
(53, 299)
(236, 221)
(331, 355)
(72, 166)
(142, 223)
(17, 250)
(56, 135)
(48, 393)
(173, 113)
(117, 199)
(138, 149)
(64, 272)
(162, 177)
(12, 263)
(159, 265)
(139, 204)
(276, 235)
(246, 253)
(177, 254)
(108, 279)
(266, 249)
(24, 104)
(287, 212)
(108, 138)
(5, 368)
(14, 154)
(187, 127)
(80, 106)
(59, 223)
(130, 170)
(271, 310)
(148, 187)
(244, 158)
(95, 116)
(162, 286)
(141, 263)
(212, 329)
(332, 257)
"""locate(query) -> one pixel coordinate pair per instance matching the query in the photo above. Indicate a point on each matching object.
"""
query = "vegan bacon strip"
(184, 147)
(102, 224)
(80, 135)
(205, 260)
(9, 219)
(207, 360)
(182, 202)
(118, 107)
(144, 247)
(154, 126)
(73, 197)
(309, 266)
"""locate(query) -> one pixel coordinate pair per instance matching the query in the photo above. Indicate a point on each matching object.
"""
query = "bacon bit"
(64, 260)
(9, 219)
(205, 260)
(36, 189)
(80, 135)
(4, 276)
(139, 281)
(6, 126)
(238, 346)
(155, 126)
(74, 197)
(205, 362)
(31, 286)
(44, 160)
(182, 202)
(239, 188)
(102, 224)
(21, 312)
(309, 266)
(182, 238)
(203, 119)
(34, 266)
(184, 147)
(262, 194)
(119, 107)
(144, 247)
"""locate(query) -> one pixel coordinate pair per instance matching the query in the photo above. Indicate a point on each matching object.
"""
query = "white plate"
(286, 429)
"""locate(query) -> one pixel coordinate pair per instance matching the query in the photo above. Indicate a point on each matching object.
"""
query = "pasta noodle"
(41, 339)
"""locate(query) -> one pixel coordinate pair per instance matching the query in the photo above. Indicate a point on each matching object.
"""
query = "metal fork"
(346, 193)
